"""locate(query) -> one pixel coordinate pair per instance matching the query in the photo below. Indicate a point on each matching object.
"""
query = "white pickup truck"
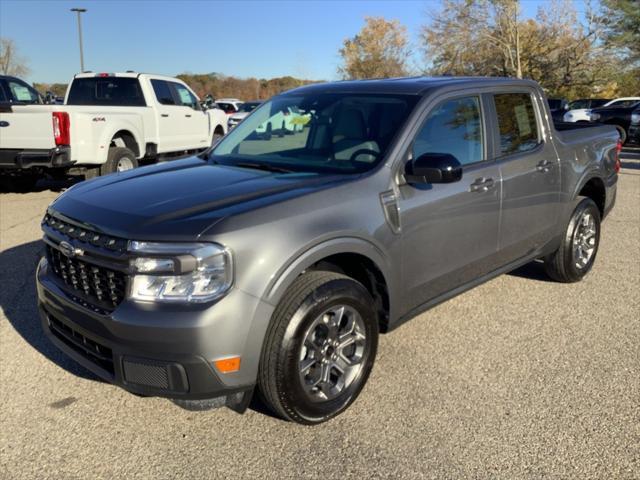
(109, 122)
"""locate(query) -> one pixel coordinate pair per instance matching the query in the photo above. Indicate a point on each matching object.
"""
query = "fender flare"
(105, 141)
(326, 248)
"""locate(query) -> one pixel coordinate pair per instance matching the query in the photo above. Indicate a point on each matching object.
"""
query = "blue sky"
(242, 38)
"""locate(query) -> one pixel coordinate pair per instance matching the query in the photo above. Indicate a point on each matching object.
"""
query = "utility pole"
(79, 11)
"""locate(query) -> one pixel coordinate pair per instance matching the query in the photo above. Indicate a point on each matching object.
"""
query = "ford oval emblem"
(67, 249)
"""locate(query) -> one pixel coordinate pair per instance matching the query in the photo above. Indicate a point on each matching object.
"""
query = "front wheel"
(577, 252)
(319, 348)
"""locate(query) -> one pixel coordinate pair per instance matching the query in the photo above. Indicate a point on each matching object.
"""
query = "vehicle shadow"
(18, 301)
(533, 271)
(53, 185)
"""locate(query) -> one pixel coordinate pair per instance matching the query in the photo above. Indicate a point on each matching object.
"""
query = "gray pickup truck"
(272, 262)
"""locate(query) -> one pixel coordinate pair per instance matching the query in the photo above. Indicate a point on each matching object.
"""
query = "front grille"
(99, 286)
(95, 352)
(85, 235)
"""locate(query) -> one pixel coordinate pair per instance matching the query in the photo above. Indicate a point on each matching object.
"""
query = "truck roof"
(408, 85)
(129, 74)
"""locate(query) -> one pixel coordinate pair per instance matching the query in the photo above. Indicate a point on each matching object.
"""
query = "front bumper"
(158, 350)
(14, 159)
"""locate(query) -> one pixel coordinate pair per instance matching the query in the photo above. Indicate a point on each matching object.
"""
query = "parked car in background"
(229, 105)
(109, 123)
(582, 115)
(557, 107)
(578, 110)
(273, 263)
(634, 128)
(618, 115)
(245, 109)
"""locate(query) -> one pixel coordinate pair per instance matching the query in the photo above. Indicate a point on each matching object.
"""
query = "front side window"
(106, 91)
(317, 132)
(517, 122)
(453, 127)
(23, 93)
(183, 96)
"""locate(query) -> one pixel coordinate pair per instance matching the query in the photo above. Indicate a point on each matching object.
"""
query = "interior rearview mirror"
(433, 168)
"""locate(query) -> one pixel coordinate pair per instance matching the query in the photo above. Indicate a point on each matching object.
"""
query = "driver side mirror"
(433, 168)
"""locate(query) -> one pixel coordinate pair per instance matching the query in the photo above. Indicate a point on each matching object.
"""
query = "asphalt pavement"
(518, 378)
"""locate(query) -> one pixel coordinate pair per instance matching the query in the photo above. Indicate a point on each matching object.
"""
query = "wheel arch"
(126, 138)
(354, 257)
(593, 187)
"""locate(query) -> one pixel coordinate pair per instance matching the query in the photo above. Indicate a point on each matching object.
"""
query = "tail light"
(617, 165)
(61, 128)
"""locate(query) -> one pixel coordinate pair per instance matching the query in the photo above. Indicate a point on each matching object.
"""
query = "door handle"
(543, 166)
(482, 185)
(188, 116)
(164, 115)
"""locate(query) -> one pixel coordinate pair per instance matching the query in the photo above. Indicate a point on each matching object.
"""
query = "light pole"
(80, 11)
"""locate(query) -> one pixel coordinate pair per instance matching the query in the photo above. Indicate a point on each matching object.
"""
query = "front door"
(450, 231)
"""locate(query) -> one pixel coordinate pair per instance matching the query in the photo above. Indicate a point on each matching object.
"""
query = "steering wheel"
(363, 151)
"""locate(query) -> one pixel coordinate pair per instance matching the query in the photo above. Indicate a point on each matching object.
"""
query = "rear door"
(450, 231)
(169, 117)
(530, 172)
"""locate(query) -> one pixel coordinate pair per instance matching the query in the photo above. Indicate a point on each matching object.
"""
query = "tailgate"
(27, 128)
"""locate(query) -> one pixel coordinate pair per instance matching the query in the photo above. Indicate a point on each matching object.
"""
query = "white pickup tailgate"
(27, 127)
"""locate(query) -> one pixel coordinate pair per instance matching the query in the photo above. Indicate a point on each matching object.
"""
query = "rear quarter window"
(106, 91)
(516, 122)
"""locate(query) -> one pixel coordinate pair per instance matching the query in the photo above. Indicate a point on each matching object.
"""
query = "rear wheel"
(119, 159)
(319, 349)
(575, 256)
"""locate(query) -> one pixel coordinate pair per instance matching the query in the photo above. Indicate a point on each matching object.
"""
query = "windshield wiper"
(262, 166)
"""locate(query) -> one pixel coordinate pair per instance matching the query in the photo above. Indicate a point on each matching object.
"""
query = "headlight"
(635, 118)
(175, 272)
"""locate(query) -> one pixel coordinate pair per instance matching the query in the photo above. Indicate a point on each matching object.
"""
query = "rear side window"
(517, 122)
(163, 92)
(106, 91)
(453, 127)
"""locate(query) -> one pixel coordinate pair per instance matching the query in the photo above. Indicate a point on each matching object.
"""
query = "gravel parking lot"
(518, 378)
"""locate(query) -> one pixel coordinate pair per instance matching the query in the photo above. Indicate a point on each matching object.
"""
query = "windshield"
(332, 132)
(249, 106)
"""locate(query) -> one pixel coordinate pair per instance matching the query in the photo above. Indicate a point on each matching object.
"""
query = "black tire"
(623, 134)
(115, 156)
(279, 379)
(562, 265)
(216, 137)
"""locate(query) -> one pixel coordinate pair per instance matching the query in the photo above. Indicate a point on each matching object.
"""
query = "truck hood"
(179, 200)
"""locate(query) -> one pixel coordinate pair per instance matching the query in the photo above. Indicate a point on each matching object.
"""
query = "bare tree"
(489, 37)
(379, 50)
(11, 62)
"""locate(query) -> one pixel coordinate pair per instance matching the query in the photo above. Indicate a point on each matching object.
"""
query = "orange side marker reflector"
(228, 365)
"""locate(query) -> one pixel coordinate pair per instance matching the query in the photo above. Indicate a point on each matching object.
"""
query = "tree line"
(597, 54)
